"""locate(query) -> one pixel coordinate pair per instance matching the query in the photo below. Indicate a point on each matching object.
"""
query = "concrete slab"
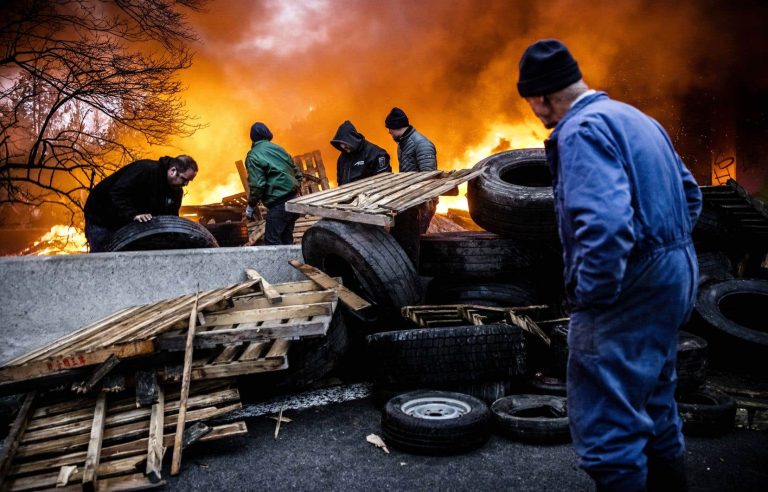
(44, 298)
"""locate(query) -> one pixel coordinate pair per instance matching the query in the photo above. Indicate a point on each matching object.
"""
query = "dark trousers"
(279, 227)
(98, 237)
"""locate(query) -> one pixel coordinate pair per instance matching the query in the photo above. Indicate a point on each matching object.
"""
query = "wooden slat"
(36, 368)
(132, 448)
(272, 295)
(15, 434)
(234, 369)
(93, 456)
(155, 448)
(349, 298)
(254, 315)
(93, 327)
(313, 297)
(348, 215)
(185, 381)
(253, 351)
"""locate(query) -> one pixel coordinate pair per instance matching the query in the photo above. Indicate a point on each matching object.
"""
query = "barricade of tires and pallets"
(470, 328)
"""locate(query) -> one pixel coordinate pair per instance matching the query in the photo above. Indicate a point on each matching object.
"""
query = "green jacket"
(271, 173)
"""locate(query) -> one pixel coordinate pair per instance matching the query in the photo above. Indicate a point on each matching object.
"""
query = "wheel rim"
(435, 408)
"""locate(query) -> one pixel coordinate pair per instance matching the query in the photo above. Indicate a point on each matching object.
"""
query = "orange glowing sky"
(304, 66)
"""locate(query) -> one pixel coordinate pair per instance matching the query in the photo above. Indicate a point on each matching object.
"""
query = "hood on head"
(348, 134)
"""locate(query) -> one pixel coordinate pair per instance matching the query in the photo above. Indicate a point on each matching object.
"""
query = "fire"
(502, 136)
(212, 190)
(60, 240)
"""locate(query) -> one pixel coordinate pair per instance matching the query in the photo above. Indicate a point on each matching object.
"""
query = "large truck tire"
(455, 354)
(162, 232)
(513, 195)
(229, 234)
(475, 255)
(370, 262)
(499, 294)
(730, 315)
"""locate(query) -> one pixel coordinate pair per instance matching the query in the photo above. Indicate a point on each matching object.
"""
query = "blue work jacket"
(621, 193)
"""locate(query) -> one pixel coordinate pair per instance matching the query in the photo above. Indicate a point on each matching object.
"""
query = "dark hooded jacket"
(138, 188)
(366, 159)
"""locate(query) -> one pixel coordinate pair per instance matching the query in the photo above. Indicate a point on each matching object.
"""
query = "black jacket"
(366, 159)
(415, 152)
(138, 188)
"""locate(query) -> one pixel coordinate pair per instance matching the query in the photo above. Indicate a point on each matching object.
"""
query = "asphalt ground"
(324, 448)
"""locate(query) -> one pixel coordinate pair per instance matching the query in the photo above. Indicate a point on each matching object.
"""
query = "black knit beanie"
(259, 132)
(396, 119)
(546, 67)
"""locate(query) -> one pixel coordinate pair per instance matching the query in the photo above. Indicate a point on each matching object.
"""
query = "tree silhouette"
(84, 84)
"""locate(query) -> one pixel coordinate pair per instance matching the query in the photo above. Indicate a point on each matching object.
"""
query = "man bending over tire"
(273, 179)
(136, 192)
(625, 205)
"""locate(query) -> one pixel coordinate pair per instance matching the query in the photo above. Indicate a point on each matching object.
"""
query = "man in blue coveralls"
(625, 205)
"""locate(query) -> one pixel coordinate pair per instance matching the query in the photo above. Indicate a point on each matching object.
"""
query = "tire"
(714, 266)
(474, 255)
(730, 316)
(435, 422)
(162, 232)
(229, 234)
(521, 293)
(513, 195)
(369, 260)
(541, 419)
(544, 384)
(488, 391)
(707, 412)
(447, 355)
(691, 362)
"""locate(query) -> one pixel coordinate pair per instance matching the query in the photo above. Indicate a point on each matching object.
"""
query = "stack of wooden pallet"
(107, 442)
(241, 329)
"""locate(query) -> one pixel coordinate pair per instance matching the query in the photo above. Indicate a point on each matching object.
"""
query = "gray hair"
(567, 95)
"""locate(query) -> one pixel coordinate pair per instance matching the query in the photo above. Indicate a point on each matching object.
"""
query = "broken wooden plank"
(185, 380)
(349, 298)
(194, 433)
(15, 434)
(269, 291)
(36, 368)
(233, 369)
(93, 455)
(313, 297)
(97, 375)
(155, 448)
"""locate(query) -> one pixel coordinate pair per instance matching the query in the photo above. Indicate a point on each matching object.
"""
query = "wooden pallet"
(250, 315)
(745, 215)
(377, 199)
(312, 167)
(108, 443)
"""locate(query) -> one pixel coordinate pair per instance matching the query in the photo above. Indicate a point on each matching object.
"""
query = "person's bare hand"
(143, 218)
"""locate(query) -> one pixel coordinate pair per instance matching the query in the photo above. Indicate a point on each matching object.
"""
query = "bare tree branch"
(83, 85)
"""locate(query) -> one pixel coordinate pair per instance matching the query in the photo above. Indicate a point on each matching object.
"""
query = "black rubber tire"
(435, 436)
(455, 354)
(541, 419)
(513, 195)
(730, 315)
(162, 232)
(714, 266)
(475, 255)
(229, 234)
(369, 260)
(510, 294)
(691, 362)
(545, 384)
(706, 412)
(488, 391)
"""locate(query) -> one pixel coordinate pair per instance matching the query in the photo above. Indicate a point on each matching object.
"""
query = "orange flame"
(60, 240)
